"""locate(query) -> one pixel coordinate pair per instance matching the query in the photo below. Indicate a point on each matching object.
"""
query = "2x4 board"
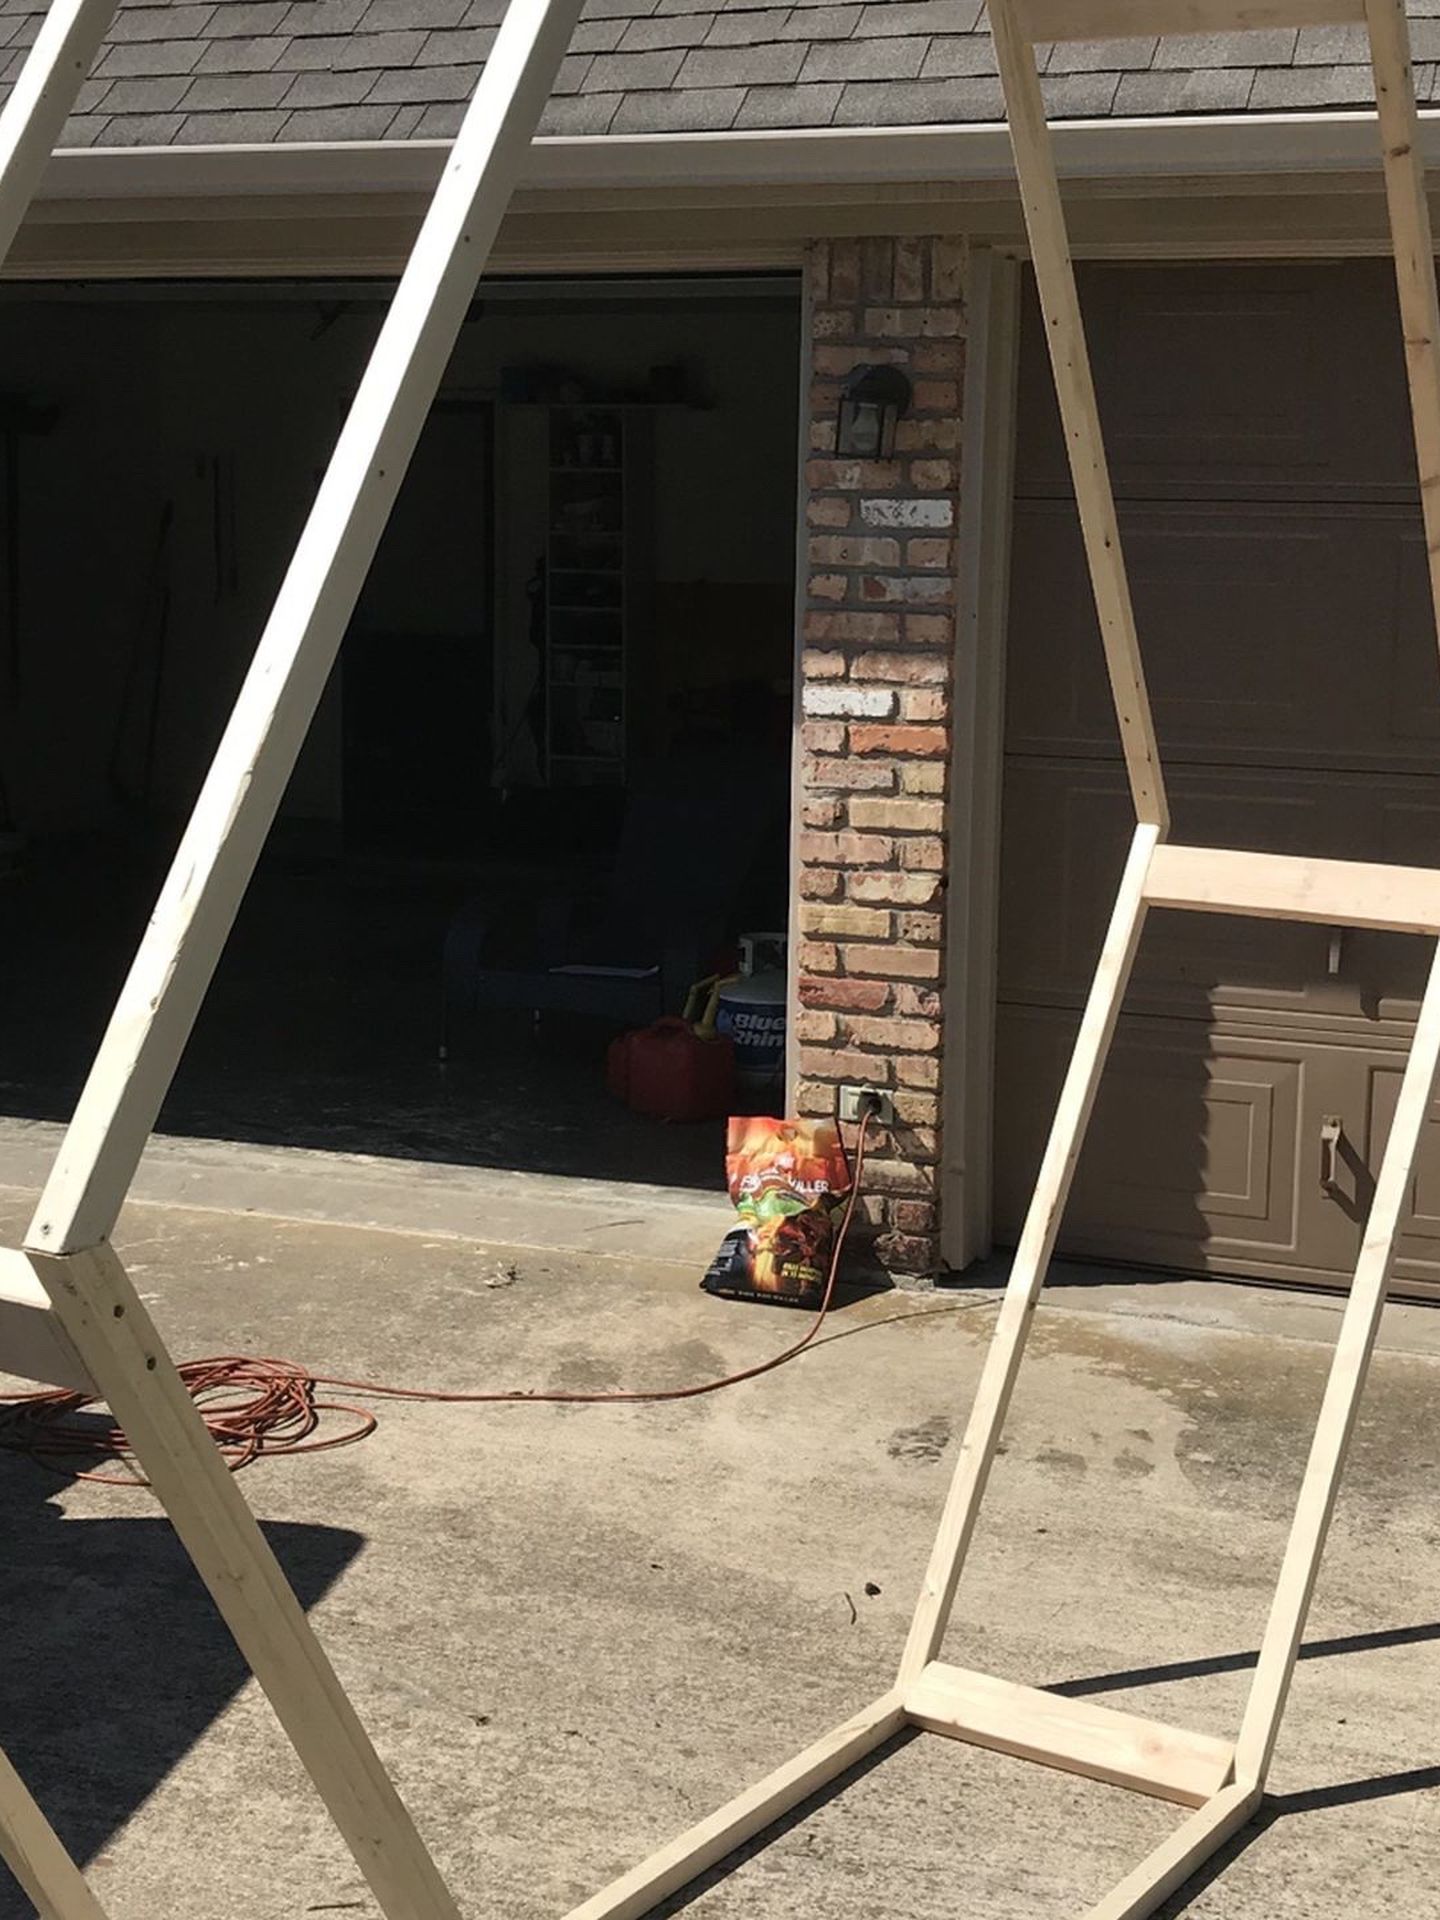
(69, 1313)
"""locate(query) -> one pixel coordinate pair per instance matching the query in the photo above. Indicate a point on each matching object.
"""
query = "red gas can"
(669, 1072)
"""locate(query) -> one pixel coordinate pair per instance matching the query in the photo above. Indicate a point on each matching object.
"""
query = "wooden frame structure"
(1220, 1781)
(68, 1311)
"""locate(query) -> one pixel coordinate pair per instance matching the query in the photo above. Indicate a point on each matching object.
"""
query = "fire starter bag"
(789, 1180)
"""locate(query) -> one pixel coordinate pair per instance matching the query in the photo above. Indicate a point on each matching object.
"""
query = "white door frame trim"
(797, 748)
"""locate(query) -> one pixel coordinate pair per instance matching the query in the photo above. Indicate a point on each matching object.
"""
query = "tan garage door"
(1258, 430)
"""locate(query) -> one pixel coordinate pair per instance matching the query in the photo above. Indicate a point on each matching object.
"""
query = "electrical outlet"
(878, 1103)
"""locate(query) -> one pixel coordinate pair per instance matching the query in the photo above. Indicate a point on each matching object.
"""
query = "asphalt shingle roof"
(227, 72)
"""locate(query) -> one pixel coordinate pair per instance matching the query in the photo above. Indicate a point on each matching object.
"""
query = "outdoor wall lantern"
(874, 400)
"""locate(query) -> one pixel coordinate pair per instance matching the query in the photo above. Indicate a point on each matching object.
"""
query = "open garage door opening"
(556, 746)
(1265, 474)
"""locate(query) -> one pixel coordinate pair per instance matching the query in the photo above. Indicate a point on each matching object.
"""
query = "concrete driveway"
(574, 1631)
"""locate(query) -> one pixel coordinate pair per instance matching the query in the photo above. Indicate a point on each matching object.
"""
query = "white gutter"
(859, 156)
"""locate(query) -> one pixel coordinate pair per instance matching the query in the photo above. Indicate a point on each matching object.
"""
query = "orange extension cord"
(257, 1408)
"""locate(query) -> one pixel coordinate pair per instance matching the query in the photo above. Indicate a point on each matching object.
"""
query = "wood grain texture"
(1075, 1735)
(1274, 886)
(33, 1344)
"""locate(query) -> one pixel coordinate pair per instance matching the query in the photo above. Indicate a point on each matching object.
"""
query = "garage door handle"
(1332, 1132)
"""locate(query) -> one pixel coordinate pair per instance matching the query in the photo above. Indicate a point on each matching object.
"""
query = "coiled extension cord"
(258, 1408)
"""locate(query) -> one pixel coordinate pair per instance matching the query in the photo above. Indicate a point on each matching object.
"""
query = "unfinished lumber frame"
(69, 1313)
(1221, 1781)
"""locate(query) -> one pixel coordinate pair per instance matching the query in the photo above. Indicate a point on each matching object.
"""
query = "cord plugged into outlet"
(866, 1103)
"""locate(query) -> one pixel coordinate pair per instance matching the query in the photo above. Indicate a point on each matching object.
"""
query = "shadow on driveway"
(116, 1661)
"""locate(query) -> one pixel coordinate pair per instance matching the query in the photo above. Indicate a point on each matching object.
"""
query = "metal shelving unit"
(589, 558)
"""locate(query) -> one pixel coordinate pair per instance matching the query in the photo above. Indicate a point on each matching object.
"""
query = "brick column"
(879, 643)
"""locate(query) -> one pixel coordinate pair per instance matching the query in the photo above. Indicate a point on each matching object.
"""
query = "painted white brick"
(849, 703)
(907, 513)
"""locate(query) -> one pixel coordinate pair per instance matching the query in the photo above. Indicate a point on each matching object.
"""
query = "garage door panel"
(1406, 820)
(1260, 629)
(1401, 825)
(1067, 825)
(1419, 1259)
(1265, 477)
(1409, 668)
(1203, 1138)
(1057, 699)
(1192, 1149)
(1236, 377)
(1388, 971)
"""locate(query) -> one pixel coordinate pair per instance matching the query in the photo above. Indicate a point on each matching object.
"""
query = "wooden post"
(32, 1850)
(1414, 253)
(41, 101)
(187, 933)
(110, 1328)
(1032, 1257)
(1176, 1858)
(1420, 319)
(89, 1293)
(1226, 1782)
(1341, 1405)
(110, 1338)
(711, 1839)
(1079, 412)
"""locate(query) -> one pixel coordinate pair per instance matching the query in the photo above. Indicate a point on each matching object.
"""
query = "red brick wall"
(879, 641)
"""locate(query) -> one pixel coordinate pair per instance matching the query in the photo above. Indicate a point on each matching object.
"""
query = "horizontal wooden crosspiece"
(1076, 1736)
(1279, 886)
(33, 1344)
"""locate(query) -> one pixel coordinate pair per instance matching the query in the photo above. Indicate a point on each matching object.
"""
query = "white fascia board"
(859, 156)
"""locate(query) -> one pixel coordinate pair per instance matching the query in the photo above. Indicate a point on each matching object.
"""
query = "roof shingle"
(244, 70)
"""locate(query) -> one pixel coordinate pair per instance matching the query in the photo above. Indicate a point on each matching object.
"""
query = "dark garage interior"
(559, 733)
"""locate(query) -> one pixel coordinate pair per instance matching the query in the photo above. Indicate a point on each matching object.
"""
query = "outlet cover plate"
(850, 1098)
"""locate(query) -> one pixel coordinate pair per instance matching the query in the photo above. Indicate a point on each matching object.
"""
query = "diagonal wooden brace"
(110, 1328)
(159, 1002)
(1223, 1782)
(95, 1329)
(41, 102)
(32, 1850)
(105, 1329)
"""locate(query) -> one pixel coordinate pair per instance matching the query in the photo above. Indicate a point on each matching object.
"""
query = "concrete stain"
(1061, 1461)
(1249, 1406)
(927, 1441)
(1133, 1465)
